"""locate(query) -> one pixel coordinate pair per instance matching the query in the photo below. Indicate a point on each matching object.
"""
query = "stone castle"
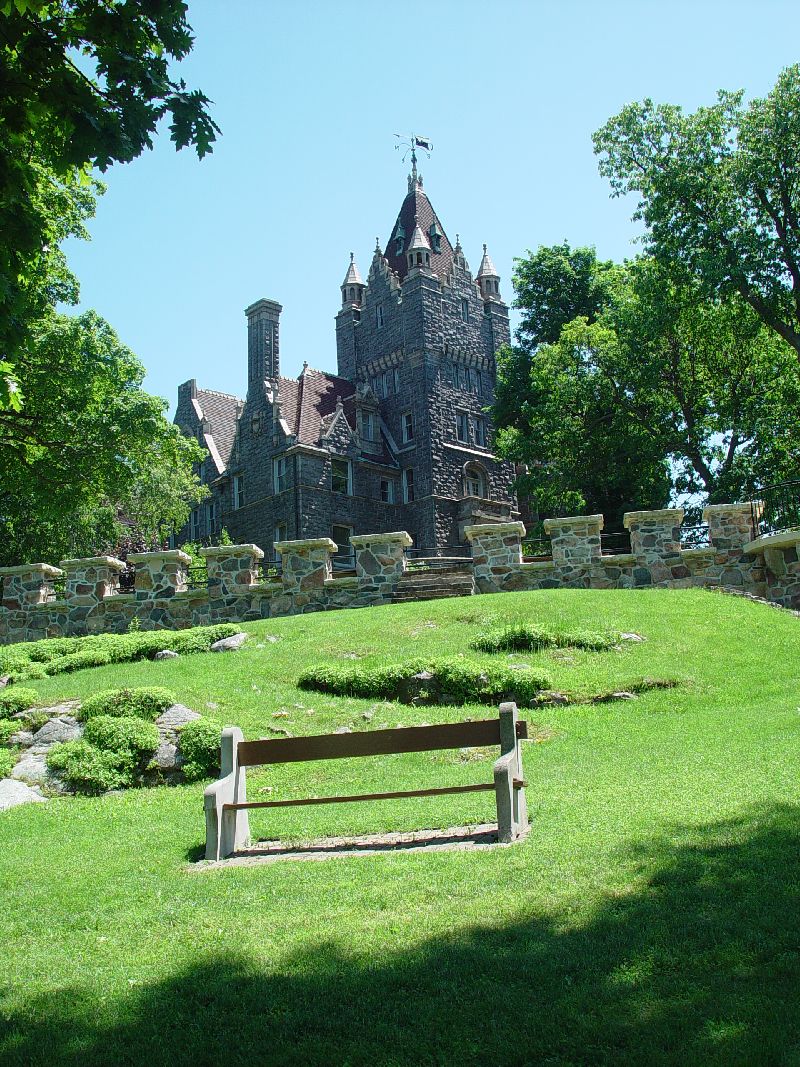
(399, 439)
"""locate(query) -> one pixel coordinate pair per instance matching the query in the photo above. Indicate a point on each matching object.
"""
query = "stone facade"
(768, 567)
(398, 438)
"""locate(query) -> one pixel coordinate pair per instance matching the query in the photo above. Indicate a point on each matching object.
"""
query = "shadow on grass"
(699, 965)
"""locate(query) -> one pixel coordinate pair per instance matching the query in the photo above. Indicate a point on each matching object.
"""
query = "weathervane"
(411, 142)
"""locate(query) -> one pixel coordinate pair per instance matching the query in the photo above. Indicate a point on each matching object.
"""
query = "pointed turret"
(419, 250)
(353, 285)
(487, 278)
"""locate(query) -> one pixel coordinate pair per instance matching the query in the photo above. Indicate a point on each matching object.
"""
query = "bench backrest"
(374, 742)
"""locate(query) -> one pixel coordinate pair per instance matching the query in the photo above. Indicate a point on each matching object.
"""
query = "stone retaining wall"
(768, 567)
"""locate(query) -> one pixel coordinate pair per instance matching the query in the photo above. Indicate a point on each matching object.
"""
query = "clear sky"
(309, 94)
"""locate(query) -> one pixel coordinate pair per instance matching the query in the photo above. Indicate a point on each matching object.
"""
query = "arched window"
(474, 481)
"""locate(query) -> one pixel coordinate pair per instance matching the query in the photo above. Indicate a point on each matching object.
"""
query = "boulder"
(166, 653)
(13, 793)
(175, 717)
(64, 728)
(5, 680)
(23, 738)
(32, 769)
(166, 757)
(229, 644)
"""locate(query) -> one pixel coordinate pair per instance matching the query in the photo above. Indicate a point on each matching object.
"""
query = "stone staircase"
(434, 579)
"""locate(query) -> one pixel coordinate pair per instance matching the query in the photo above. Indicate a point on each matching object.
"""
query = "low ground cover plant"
(7, 761)
(89, 769)
(16, 699)
(446, 681)
(58, 655)
(522, 637)
(200, 750)
(144, 702)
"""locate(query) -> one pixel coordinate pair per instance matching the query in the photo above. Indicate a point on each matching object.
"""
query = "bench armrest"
(226, 830)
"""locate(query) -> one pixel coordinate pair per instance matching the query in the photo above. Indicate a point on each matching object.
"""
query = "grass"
(649, 918)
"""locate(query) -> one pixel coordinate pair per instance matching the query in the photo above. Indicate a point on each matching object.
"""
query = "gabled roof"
(417, 205)
(221, 410)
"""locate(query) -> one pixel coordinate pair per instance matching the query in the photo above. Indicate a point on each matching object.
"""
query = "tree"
(88, 444)
(83, 84)
(575, 455)
(719, 193)
(664, 381)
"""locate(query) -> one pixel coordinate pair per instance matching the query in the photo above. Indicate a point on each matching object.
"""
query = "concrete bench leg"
(227, 831)
(512, 808)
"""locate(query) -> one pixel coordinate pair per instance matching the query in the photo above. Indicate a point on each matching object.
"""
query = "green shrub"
(7, 728)
(145, 702)
(15, 699)
(7, 760)
(53, 648)
(456, 681)
(523, 638)
(78, 661)
(199, 743)
(131, 735)
(89, 769)
(34, 720)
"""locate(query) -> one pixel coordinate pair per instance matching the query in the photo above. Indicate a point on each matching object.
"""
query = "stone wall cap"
(299, 546)
(498, 528)
(111, 562)
(534, 565)
(672, 515)
(746, 507)
(168, 555)
(622, 559)
(784, 539)
(232, 550)
(573, 520)
(348, 582)
(45, 569)
(698, 553)
(399, 537)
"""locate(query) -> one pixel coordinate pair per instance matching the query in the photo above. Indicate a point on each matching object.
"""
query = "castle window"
(238, 490)
(379, 316)
(211, 517)
(474, 482)
(279, 533)
(279, 474)
(462, 426)
(385, 384)
(456, 376)
(341, 476)
(368, 425)
(408, 485)
(343, 557)
(195, 525)
(479, 427)
(407, 423)
(464, 309)
(387, 490)
(396, 376)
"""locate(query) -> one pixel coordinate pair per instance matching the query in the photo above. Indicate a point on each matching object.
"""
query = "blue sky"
(309, 94)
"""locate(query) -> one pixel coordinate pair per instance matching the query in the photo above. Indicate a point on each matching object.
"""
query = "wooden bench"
(226, 803)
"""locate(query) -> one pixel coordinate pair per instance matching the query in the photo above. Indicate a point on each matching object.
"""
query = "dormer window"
(368, 426)
(435, 235)
(400, 239)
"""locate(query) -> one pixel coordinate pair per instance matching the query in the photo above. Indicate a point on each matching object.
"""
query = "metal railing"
(437, 557)
(695, 535)
(127, 579)
(58, 590)
(197, 576)
(268, 569)
(536, 549)
(780, 508)
(615, 543)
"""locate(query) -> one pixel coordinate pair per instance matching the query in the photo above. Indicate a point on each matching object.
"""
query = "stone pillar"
(656, 541)
(27, 585)
(496, 550)
(160, 575)
(89, 582)
(306, 565)
(232, 569)
(730, 526)
(380, 557)
(576, 540)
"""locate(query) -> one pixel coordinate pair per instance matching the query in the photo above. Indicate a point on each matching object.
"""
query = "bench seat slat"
(481, 787)
(372, 742)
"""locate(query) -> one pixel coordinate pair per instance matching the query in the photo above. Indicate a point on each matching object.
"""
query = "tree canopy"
(719, 193)
(83, 84)
(88, 446)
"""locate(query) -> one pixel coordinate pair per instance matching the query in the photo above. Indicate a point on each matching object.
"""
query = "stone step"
(434, 577)
(433, 594)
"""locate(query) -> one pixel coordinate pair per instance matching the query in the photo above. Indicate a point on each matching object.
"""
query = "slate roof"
(221, 410)
(417, 204)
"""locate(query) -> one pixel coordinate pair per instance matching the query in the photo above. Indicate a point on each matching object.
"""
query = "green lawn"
(651, 916)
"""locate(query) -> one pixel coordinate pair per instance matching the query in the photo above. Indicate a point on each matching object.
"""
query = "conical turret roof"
(417, 210)
(487, 269)
(353, 276)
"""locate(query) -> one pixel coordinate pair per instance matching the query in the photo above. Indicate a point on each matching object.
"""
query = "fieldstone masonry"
(767, 567)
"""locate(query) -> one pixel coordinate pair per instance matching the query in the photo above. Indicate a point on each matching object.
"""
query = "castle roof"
(221, 410)
(487, 269)
(353, 276)
(417, 209)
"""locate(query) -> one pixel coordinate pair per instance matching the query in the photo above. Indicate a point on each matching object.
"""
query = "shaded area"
(699, 963)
